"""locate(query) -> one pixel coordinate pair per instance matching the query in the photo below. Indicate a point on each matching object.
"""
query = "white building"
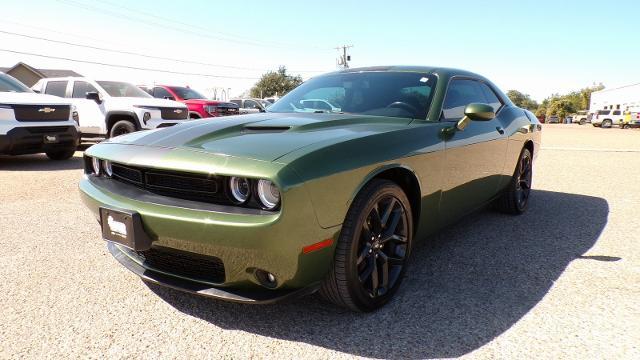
(619, 98)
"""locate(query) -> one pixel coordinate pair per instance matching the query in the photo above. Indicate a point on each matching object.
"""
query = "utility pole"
(344, 59)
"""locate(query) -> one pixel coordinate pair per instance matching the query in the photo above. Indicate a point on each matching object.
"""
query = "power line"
(166, 26)
(138, 54)
(129, 67)
(148, 14)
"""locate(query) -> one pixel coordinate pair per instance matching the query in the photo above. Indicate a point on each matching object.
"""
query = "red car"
(199, 106)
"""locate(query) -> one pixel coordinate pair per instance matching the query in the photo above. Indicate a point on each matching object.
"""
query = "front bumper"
(38, 139)
(200, 288)
(244, 242)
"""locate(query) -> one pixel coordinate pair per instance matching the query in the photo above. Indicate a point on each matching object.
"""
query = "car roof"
(410, 68)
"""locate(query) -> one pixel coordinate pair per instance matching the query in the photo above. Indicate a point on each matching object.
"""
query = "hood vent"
(258, 128)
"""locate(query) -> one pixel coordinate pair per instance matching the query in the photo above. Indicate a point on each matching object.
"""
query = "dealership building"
(620, 98)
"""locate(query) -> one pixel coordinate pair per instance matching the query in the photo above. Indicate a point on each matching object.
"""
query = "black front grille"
(174, 113)
(127, 173)
(182, 263)
(41, 112)
(47, 129)
(228, 110)
(188, 186)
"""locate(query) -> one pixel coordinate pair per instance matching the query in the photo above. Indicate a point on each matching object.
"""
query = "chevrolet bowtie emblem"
(46, 110)
(177, 111)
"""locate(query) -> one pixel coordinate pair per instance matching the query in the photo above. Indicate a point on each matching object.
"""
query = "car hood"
(31, 98)
(141, 101)
(266, 136)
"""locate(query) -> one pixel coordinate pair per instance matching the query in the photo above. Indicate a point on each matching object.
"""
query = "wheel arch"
(530, 146)
(113, 117)
(404, 177)
(194, 115)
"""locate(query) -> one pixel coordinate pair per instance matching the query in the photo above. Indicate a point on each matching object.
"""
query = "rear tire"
(582, 121)
(515, 199)
(122, 127)
(372, 250)
(61, 154)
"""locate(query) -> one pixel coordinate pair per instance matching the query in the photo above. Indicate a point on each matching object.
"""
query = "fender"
(379, 171)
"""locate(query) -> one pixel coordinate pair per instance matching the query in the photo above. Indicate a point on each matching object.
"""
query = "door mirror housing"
(476, 112)
(92, 95)
(479, 112)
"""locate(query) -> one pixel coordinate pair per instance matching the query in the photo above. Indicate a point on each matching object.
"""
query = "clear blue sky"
(537, 47)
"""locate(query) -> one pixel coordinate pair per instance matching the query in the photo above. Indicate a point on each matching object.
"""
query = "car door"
(250, 107)
(474, 157)
(92, 114)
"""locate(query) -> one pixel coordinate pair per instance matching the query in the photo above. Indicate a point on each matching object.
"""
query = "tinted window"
(81, 88)
(187, 93)
(604, 112)
(250, 104)
(56, 88)
(237, 102)
(616, 112)
(460, 94)
(373, 93)
(492, 98)
(122, 89)
(162, 93)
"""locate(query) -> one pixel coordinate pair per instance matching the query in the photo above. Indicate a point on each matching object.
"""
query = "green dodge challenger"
(327, 191)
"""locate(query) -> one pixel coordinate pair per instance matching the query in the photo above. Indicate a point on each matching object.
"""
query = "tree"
(275, 83)
(561, 108)
(522, 100)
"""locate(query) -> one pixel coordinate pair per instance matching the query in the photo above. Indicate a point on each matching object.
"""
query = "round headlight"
(107, 168)
(239, 188)
(269, 194)
(96, 165)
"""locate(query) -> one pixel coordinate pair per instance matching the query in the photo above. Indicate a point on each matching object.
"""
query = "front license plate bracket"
(124, 227)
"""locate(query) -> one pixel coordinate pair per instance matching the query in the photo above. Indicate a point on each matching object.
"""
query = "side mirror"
(92, 95)
(476, 112)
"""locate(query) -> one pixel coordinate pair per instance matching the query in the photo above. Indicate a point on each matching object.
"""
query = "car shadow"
(39, 162)
(464, 287)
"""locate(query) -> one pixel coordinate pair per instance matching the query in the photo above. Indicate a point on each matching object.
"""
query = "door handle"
(500, 130)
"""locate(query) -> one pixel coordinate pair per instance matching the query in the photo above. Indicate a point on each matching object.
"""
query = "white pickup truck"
(112, 108)
(31, 123)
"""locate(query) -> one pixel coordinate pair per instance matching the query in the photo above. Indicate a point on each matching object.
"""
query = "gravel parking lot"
(562, 281)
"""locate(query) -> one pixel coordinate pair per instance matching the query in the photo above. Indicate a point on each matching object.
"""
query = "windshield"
(186, 93)
(122, 89)
(396, 94)
(9, 84)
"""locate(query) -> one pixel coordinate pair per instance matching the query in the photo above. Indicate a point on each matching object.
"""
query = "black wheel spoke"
(369, 270)
(387, 212)
(394, 239)
(364, 253)
(374, 277)
(391, 229)
(376, 221)
(385, 270)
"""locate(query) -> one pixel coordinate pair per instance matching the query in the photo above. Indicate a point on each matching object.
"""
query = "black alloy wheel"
(382, 246)
(515, 198)
(524, 177)
(372, 250)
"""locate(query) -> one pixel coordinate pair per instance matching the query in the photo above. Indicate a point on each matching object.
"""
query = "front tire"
(122, 127)
(607, 124)
(372, 250)
(582, 121)
(61, 154)
(516, 197)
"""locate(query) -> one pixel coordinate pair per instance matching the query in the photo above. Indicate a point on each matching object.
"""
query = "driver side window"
(461, 92)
